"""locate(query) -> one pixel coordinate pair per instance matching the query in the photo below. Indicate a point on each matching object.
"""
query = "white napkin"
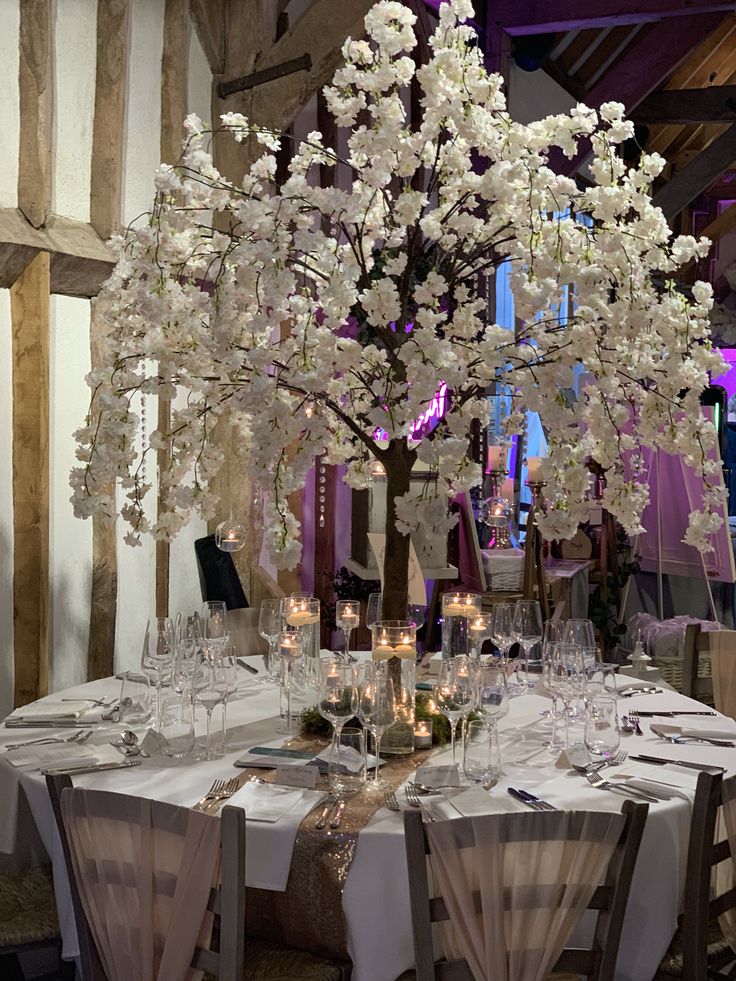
(475, 801)
(718, 729)
(670, 777)
(49, 755)
(656, 787)
(47, 712)
(273, 815)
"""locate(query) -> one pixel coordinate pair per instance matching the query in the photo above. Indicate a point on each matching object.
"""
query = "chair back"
(513, 886)
(243, 628)
(697, 679)
(147, 880)
(218, 577)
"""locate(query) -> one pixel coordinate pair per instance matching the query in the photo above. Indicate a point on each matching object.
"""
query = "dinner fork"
(231, 786)
(80, 736)
(413, 801)
(634, 719)
(107, 700)
(596, 780)
(214, 790)
(389, 800)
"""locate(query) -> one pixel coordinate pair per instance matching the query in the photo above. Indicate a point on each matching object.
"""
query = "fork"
(413, 801)
(389, 800)
(79, 736)
(214, 790)
(107, 700)
(634, 719)
(596, 780)
(231, 786)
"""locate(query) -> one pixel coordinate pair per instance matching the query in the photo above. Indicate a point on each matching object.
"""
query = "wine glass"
(564, 678)
(480, 629)
(291, 648)
(554, 633)
(226, 680)
(269, 627)
(188, 633)
(373, 610)
(493, 692)
(347, 619)
(157, 658)
(580, 632)
(215, 629)
(528, 627)
(502, 633)
(376, 709)
(453, 694)
(207, 692)
(602, 736)
(337, 694)
(417, 615)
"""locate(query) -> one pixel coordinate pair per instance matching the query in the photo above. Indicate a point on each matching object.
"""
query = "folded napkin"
(478, 801)
(273, 815)
(655, 787)
(718, 729)
(50, 755)
(669, 778)
(46, 712)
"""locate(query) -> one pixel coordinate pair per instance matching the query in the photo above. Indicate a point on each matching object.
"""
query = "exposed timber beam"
(720, 226)
(30, 306)
(543, 17)
(35, 83)
(80, 260)
(692, 180)
(712, 105)
(208, 17)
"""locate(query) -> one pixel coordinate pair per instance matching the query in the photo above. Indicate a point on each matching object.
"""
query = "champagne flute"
(226, 680)
(373, 609)
(564, 678)
(337, 694)
(347, 618)
(376, 710)
(528, 627)
(453, 694)
(269, 627)
(207, 692)
(157, 658)
(188, 642)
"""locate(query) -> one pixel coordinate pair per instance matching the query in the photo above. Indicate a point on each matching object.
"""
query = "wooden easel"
(534, 585)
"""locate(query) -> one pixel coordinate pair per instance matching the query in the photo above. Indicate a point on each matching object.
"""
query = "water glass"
(346, 770)
(602, 737)
(157, 658)
(482, 754)
(563, 678)
(135, 699)
(177, 726)
(493, 693)
(528, 627)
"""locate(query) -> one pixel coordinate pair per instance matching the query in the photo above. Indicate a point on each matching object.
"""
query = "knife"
(96, 768)
(30, 723)
(248, 667)
(671, 712)
(693, 766)
(531, 800)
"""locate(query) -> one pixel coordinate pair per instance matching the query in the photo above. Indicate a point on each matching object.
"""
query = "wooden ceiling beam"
(80, 260)
(692, 180)
(713, 105)
(208, 17)
(721, 225)
(542, 17)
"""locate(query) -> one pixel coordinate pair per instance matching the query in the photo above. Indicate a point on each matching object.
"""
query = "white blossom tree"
(314, 317)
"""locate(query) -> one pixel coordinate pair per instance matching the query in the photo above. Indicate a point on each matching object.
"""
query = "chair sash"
(514, 899)
(723, 666)
(144, 880)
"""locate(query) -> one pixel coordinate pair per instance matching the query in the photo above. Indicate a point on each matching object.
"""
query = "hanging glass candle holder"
(230, 535)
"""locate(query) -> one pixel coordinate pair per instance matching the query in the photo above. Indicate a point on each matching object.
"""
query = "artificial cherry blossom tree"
(313, 317)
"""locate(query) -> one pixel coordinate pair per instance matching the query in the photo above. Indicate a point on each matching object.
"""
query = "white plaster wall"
(9, 105)
(200, 80)
(6, 509)
(75, 42)
(70, 540)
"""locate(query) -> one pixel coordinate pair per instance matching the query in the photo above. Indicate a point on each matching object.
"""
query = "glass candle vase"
(395, 641)
(457, 609)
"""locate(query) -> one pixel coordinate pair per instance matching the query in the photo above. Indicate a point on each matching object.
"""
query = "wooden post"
(30, 305)
(36, 111)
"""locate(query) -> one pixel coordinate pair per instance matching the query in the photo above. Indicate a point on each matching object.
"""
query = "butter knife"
(54, 771)
(660, 761)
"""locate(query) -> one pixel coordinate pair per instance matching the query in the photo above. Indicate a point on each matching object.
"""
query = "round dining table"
(369, 894)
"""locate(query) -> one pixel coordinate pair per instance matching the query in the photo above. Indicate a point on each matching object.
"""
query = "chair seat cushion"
(27, 907)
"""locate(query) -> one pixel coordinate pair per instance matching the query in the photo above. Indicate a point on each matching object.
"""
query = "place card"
(293, 776)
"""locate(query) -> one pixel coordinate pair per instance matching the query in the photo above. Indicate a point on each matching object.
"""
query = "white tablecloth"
(375, 900)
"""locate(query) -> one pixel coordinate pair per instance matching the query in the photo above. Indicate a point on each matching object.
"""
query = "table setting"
(323, 816)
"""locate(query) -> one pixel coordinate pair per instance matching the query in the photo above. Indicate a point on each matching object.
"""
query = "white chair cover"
(144, 873)
(723, 667)
(514, 903)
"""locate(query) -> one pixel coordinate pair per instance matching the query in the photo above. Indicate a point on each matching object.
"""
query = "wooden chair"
(231, 958)
(697, 677)
(609, 900)
(28, 920)
(698, 951)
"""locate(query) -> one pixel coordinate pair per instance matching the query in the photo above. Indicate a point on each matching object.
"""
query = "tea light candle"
(534, 464)
(478, 625)
(496, 457)
(423, 734)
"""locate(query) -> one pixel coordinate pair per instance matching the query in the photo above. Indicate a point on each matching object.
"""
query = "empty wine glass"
(269, 627)
(373, 610)
(528, 627)
(215, 629)
(493, 692)
(453, 694)
(564, 678)
(502, 632)
(347, 619)
(417, 615)
(157, 659)
(337, 694)
(226, 679)
(580, 632)
(376, 709)
(208, 692)
(188, 634)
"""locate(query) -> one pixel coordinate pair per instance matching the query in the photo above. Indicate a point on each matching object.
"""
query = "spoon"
(128, 741)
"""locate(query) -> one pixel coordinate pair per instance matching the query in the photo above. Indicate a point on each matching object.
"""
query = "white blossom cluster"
(289, 314)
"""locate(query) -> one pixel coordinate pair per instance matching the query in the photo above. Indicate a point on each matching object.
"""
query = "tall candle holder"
(496, 511)
(534, 577)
